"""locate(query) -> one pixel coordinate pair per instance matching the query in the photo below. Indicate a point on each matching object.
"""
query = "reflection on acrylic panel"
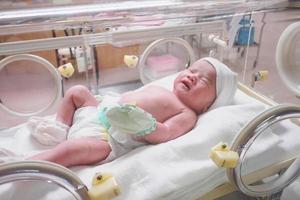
(35, 189)
(34, 84)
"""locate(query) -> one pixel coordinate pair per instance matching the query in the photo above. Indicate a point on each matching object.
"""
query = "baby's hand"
(130, 119)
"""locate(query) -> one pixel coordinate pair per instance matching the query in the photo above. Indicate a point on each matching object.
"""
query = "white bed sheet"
(179, 169)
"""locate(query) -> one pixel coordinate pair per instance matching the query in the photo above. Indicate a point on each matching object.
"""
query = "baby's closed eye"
(205, 80)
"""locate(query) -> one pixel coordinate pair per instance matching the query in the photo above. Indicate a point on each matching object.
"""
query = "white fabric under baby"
(8, 156)
(46, 131)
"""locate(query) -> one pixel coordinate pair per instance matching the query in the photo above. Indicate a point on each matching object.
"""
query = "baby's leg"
(83, 151)
(76, 97)
(49, 132)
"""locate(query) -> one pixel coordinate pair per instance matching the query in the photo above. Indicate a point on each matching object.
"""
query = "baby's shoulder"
(156, 88)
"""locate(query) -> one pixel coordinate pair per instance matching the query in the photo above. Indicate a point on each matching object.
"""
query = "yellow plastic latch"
(223, 157)
(221, 146)
(66, 70)
(264, 74)
(104, 187)
(131, 61)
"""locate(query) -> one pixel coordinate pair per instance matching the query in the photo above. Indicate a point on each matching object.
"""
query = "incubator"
(48, 46)
(95, 37)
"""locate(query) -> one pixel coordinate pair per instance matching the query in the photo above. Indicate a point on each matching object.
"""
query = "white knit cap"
(226, 83)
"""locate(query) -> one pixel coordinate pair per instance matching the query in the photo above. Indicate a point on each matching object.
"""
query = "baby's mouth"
(186, 84)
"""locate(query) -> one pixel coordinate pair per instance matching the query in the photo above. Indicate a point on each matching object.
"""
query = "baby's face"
(196, 86)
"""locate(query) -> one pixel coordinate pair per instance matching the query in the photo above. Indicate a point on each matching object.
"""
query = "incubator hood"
(95, 36)
(49, 16)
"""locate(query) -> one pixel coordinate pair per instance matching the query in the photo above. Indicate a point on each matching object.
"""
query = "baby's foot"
(33, 122)
(49, 132)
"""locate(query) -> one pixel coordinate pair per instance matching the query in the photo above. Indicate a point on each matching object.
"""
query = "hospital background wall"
(115, 76)
(269, 26)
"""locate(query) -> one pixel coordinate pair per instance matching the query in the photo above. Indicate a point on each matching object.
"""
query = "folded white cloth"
(8, 156)
(226, 83)
(46, 131)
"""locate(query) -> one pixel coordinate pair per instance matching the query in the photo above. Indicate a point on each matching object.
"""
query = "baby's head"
(208, 83)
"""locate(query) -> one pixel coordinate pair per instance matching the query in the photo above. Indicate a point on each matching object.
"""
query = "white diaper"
(87, 124)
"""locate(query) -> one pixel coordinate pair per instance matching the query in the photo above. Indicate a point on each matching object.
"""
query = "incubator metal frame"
(247, 137)
(118, 38)
(114, 38)
(16, 21)
(57, 18)
(44, 171)
(248, 134)
(286, 65)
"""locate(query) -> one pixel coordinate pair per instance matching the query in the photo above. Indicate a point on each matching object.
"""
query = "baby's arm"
(172, 128)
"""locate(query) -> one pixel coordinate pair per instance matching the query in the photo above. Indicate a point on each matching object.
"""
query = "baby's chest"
(161, 107)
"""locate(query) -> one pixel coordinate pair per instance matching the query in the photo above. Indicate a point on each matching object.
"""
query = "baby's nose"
(192, 78)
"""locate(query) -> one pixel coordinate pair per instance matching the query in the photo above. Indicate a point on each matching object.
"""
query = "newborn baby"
(165, 115)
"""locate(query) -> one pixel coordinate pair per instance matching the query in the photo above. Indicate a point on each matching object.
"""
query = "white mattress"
(179, 169)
